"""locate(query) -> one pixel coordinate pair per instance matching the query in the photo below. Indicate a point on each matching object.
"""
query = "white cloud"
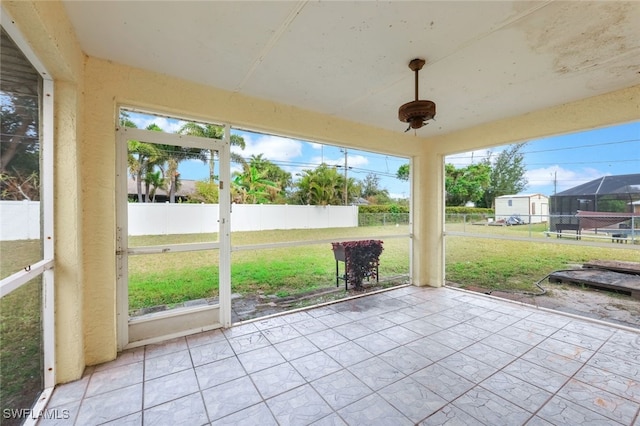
(315, 145)
(466, 158)
(271, 147)
(235, 168)
(352, 161)
(564, 178)
(169, 125)
(357, 160)
(399, 195)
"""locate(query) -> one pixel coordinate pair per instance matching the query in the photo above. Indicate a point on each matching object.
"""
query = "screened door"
(172, 240)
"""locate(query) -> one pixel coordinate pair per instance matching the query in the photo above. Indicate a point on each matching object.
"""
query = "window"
(26, 237)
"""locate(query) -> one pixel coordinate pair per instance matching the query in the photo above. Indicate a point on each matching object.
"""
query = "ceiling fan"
(417, 112)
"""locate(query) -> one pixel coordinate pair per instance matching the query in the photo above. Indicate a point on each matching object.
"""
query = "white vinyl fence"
(21, 219)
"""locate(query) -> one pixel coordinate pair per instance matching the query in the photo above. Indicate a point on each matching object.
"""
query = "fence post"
(167, 213)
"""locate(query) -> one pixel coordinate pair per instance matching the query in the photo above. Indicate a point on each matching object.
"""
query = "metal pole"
(346, 182)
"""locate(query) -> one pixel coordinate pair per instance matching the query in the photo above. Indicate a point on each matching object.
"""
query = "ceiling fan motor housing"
(417, 112)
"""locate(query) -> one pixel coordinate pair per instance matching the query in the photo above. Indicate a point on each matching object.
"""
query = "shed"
(530, 208)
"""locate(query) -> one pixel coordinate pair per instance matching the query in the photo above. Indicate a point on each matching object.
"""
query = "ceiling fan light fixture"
(417, 112)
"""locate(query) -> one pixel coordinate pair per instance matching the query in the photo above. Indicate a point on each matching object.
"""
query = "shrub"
(469, 210)
(361, 259)
(386, 208)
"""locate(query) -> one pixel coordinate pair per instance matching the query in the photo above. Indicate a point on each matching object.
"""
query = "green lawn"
(172, 278)
(518, 265)
(20, 329)
(20, 347)
(535, 231)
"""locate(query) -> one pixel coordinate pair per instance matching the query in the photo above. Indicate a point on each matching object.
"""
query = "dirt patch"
(597, 304)
(251, 306)
(591, 303)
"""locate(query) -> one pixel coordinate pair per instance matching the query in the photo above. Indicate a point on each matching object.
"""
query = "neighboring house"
(360, 202)
(531, 208)
(186, 187)
(613, 194)
(607, 194)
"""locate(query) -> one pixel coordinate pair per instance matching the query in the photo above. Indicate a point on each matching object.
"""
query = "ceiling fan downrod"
(417, 112)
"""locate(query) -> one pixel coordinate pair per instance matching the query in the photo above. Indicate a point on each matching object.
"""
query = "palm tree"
(168, 160)
(321, 186)
(141, 158)
(173, 156)
(252, 186)
(214, 132)
(273, 173)
(153, 182)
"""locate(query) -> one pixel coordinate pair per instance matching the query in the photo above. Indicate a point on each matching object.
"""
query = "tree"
(173, 156)
(461, 184)
(16, 187)
(251, 186)
(370, 189)
(206, 192)
(153, 181)
(170, 157)
(273, 173)
(142, 157)
(214, 132)
(323, 186)
(466, 184)
(403, 172)
(507, 174)
(19, 147)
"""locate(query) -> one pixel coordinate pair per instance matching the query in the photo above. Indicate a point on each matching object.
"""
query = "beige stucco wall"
(600, 111)
(88, 91)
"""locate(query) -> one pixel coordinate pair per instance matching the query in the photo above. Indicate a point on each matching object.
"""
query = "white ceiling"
(486, 60)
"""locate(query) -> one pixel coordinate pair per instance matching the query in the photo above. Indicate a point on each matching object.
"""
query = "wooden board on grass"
(615, 265)
(609, 280)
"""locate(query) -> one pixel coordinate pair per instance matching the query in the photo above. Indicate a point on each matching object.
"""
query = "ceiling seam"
(504, 24)
(272, 42)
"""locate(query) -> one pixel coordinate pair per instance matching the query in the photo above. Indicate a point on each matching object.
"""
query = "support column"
(69, 290)
(428, 214)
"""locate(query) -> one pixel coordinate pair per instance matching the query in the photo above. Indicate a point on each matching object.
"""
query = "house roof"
(349, 59)
(620, 184)
(185, 188)
(523, 196)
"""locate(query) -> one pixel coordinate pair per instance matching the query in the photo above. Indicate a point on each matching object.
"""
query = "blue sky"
(576, 158)
(570, 159)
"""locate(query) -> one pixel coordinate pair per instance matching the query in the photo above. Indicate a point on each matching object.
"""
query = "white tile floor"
(407, 356)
